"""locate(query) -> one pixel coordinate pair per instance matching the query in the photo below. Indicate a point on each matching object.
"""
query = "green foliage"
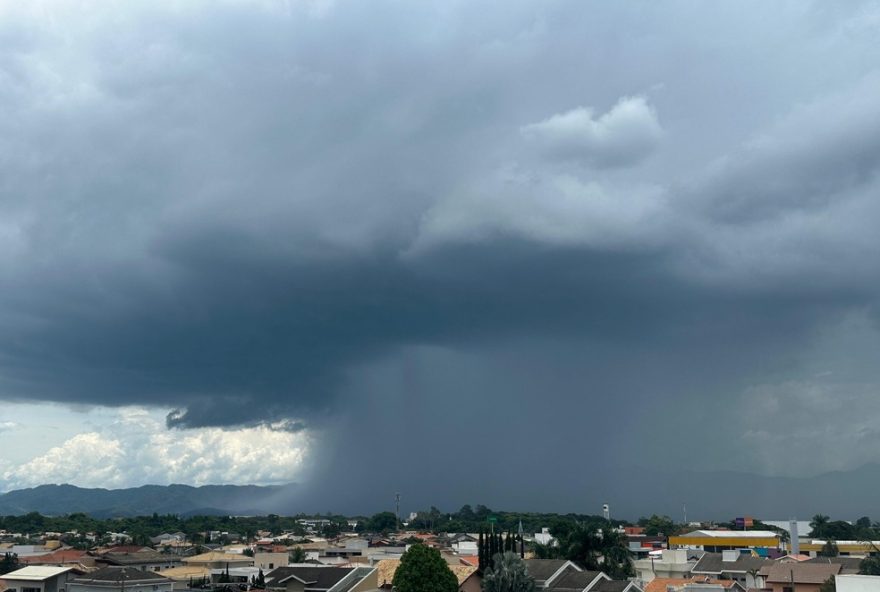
(870, 566)
(830, 585)
(297, 555)
(422, 569)
(592, 547)
(9, 563)
(817, 525)
(657, 525)
(508, 573)
(829, 549)
(382, 522)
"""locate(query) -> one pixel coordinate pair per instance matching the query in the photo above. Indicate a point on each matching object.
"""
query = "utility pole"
(397, 499)
(684, 509)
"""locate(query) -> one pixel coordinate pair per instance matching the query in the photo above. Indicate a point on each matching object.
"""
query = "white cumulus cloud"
(136, 448)
(623, 136)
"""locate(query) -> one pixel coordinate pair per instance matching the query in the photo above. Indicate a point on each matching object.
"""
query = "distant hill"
(631, 492)
(162, 499)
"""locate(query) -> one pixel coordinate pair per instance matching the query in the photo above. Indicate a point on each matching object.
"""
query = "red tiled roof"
(59, 556)
(662, 584)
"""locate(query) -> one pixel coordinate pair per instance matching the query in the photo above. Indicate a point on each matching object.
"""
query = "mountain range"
(631, 492)
(239, 500)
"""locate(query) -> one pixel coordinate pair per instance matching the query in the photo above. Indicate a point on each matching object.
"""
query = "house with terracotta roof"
(63, 557)
(218, 560)
(698, 584)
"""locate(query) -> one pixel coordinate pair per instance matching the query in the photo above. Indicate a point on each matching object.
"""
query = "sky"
(485, 252)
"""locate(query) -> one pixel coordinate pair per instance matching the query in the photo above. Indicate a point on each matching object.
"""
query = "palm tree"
(818, 525)
(508, 574)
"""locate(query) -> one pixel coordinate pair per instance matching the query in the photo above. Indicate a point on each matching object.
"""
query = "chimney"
(795, 544)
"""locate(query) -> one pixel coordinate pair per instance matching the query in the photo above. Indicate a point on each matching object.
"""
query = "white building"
(668, 563)
(544, 537)
(857, 583)
(37, 578)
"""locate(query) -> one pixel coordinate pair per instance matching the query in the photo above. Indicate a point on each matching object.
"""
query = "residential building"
(321, 579)
(218, 560)
(668, 563)
(547, 571)
(269, 561)
(700, 584)
(185, 574)
(145, 560)
(80, 560)
(37, 578)
(589, 581)
(798, 577)
(733, 565)
(121, 579)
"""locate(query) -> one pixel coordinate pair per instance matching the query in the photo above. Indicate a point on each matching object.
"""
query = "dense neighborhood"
(383, 552)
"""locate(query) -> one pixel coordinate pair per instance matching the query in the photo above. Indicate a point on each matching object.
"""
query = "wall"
(267, 561)
(857, 583)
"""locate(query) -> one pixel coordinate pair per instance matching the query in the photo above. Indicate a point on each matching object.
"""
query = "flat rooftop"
(35, 572)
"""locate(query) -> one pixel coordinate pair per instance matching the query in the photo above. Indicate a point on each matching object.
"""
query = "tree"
(508, 574)
(870, 566)
(829, 549)
(481, 552)
(658, 525)
(248, 552)
(382, 522)
(9, 563)
(616, 560)
(297, 555)
(830, 585)
(422, 569)
(261, 579)
(818, 524)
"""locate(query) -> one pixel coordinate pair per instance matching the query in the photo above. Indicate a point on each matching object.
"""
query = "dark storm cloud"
(588, 223)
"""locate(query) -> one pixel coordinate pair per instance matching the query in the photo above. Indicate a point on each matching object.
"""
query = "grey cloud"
(253, 214)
